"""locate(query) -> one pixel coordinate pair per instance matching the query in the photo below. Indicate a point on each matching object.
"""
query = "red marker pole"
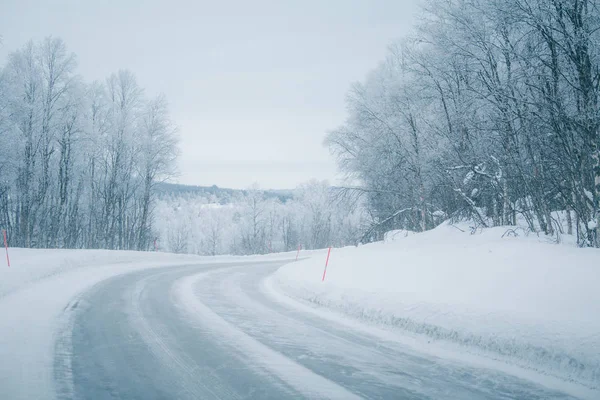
(298, 253)
(6, 247)
(326, 263)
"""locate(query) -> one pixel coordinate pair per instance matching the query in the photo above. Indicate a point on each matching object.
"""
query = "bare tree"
(83, 159)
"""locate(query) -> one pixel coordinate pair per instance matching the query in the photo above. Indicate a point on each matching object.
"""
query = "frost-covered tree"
(254, 222)
(489, 111)
(79, 162)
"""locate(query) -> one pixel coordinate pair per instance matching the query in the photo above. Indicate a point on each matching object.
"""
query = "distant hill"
(222, 195)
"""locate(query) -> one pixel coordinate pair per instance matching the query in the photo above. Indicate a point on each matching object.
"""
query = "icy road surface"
(212, 332)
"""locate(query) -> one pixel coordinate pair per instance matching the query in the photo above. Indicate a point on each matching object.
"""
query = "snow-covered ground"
(41, 284)
(519, 300)
(31, 265)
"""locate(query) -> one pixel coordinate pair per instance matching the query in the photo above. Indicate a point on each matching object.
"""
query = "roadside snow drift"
(519, 300)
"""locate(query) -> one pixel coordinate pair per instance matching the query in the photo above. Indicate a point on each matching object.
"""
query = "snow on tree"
(79, 162)
(488, 111)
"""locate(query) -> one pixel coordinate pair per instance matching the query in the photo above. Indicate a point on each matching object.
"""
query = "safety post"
(6, 247)
(298, 252)
(326, 263)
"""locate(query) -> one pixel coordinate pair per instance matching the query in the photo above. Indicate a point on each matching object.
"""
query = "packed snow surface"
(498, 293)
(41, 284)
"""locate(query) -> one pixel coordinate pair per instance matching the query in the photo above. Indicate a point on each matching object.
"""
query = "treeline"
(213, 194)
(256, 222)
(490, 112)
(78, 161)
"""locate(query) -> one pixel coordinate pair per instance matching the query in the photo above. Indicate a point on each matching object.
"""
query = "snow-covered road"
(215, 332)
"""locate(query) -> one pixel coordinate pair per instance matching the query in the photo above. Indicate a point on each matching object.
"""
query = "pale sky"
(254, 86)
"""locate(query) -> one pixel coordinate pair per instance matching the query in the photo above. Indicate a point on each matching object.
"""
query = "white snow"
(468, 177)
(519, 300)
(41, 284)
(440, 213)
(299, 377)
(35, 290)
(398, 234)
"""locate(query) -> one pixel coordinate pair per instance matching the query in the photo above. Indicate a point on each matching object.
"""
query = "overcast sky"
(254, 86)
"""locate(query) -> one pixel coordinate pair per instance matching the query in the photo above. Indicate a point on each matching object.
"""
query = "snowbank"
(519, 299)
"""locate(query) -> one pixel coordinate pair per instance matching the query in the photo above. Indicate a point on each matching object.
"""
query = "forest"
(255, 221)
(84, 165)
(489, 112)
(78, 161)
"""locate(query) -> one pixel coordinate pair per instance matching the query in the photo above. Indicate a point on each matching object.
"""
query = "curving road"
(209, 332)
